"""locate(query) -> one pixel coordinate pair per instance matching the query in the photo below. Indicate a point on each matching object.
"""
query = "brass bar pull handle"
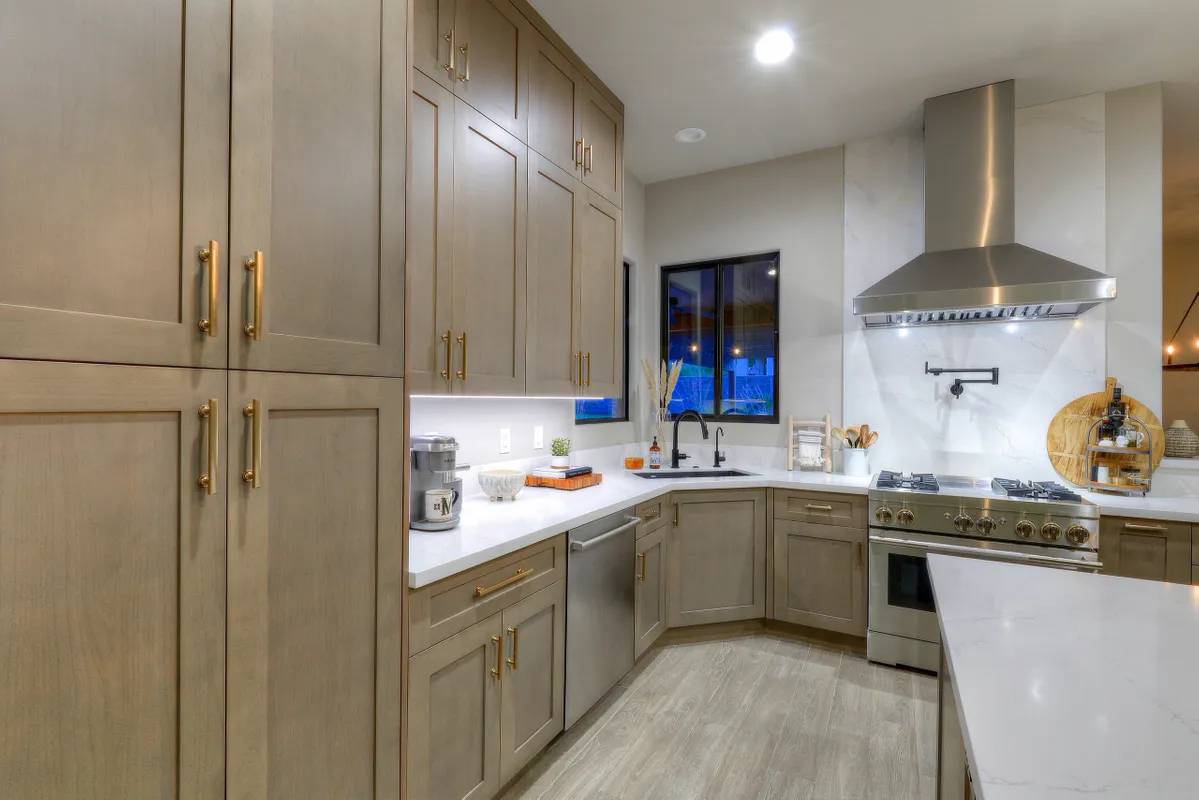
(253, 475)
(1138, 528)
(462, 373)
(211, 256)
(579, 368)
(449, 355)
(641, 567)
(498, 641)
(588, 368)
(517, 577)
(676, 515)
(465, 51)
(256, 264)
(210, 478)
(515, 647)
(588, 158)
(451, 67)
(818, 507)
(579, 143)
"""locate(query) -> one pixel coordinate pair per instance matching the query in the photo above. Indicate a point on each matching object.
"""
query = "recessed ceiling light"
(691, 135)
(774, 47)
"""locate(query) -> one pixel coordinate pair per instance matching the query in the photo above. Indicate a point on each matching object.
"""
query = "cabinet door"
(114, 165)
(603, 138)
(717, 557)
(1146, 548)
(315, 586)
(319, 93)
(555, 93)
(490, 205)
(650, 594)
(454, 716)
(112, 575)
(599, 303)
(820, 576)
(532, 703)
(492, 72)
(430, 236)
(435, 40)
(552, 364)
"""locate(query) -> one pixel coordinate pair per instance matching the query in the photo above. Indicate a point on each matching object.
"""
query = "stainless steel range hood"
(972, 269)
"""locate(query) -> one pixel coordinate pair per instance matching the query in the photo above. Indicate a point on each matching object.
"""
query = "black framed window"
(610, 409)
(721, 318)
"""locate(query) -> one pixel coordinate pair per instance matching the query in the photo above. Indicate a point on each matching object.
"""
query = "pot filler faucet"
(675, 455)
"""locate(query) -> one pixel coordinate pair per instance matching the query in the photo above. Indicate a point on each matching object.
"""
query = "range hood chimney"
(972, 269)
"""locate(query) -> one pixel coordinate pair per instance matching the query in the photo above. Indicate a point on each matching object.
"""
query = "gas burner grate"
(1035, 490)
(917, 481)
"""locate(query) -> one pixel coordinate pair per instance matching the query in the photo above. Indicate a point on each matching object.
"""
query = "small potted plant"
(560, 452)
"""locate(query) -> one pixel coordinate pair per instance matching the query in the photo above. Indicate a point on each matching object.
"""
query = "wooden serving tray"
(1066, 439)
(567, 484)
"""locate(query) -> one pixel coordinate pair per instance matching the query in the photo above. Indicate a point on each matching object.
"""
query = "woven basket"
(1181, 441)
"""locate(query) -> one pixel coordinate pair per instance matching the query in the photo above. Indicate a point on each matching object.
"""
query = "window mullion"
(718, 384)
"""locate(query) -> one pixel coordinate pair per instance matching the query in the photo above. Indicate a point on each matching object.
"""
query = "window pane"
(749, 354)
(691, 336)
(606, 408)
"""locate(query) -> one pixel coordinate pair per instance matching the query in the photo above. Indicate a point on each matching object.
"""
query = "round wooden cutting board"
(1066, 439)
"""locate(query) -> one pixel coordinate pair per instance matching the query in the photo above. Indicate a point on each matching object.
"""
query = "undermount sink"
(694, 473)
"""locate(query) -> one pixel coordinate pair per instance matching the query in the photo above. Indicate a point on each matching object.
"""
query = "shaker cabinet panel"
(555, 92)
(650, 594)
(435, 40)
(430, 209)
(599, 303)
(315, 585)
(114, 164)
(490, 206)
(1146, 548)
(552, 361)
(820, 576)
(603, 138)
(112, 575)
(316, 260)
(492, 73)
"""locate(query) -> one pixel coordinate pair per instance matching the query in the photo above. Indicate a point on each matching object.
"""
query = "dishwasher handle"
(632, 522)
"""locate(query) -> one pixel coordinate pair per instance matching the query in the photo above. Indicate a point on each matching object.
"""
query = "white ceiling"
(861, 67)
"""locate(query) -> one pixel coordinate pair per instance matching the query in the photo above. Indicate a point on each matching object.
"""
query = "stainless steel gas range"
(1037, 523)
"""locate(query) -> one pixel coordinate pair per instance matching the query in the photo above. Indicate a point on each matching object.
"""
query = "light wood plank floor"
(758, 715)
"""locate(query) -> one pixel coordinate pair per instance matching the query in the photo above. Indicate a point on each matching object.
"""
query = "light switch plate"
(538, 437)
(505, 440)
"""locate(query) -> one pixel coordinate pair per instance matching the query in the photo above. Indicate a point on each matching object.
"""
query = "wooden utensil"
(853, 435)
(863, 436)
(873, 438)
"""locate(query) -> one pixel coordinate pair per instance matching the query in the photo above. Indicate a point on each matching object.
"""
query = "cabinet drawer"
(442, 609)
(1146, 548)
(653, 514)
(822, 508)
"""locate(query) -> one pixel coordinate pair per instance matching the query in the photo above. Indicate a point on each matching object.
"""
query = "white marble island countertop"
(1070, 684)
(491, 530)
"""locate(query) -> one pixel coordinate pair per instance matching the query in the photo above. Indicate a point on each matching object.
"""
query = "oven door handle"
(994, 555)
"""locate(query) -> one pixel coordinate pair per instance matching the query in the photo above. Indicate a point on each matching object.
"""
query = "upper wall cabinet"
(114, 164)
(602, 146)
(478, 50)
(555, 95)
(317, 195)
(599, 299)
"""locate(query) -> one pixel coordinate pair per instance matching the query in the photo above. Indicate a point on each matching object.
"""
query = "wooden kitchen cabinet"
(555, 100)
(112, 575)
(317, 194)
(717, 557)
(649, 597)
(1145, 548)
(486, 700)
(603, 145)
(315, 585)
(115, 171)
(488, 275)
(820, 576)
(599, 297)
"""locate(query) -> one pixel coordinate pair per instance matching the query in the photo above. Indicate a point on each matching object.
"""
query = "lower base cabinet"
(485, 701)
(649, 591)
(820, 576)
(1146, 548)
(717, 557)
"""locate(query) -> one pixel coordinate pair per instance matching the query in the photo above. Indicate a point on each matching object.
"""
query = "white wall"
(793, 205)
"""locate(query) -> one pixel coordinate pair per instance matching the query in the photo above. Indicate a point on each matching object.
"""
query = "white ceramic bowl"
(501, 484)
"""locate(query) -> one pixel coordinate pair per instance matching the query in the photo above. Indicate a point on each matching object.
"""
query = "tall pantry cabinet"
(202, 435)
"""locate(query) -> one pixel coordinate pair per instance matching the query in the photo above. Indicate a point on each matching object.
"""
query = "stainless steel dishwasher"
(599, 609)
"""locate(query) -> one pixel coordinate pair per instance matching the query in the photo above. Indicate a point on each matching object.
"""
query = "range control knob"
(963, 523)
(1051, 531)
(1078, 534)
(985, 525)
(883, 514)
(1025, 529)
(906, 515)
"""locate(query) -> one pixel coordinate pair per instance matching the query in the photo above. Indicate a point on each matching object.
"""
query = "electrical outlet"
(505, 440)
(538, 437)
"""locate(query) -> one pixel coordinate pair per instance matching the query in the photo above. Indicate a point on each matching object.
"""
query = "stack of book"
(560, 472)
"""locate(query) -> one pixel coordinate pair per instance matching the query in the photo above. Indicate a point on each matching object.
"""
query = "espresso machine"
(435, 491)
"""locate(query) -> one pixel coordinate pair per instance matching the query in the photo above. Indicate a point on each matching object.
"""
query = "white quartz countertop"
(491, 530)
(1071, 684)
